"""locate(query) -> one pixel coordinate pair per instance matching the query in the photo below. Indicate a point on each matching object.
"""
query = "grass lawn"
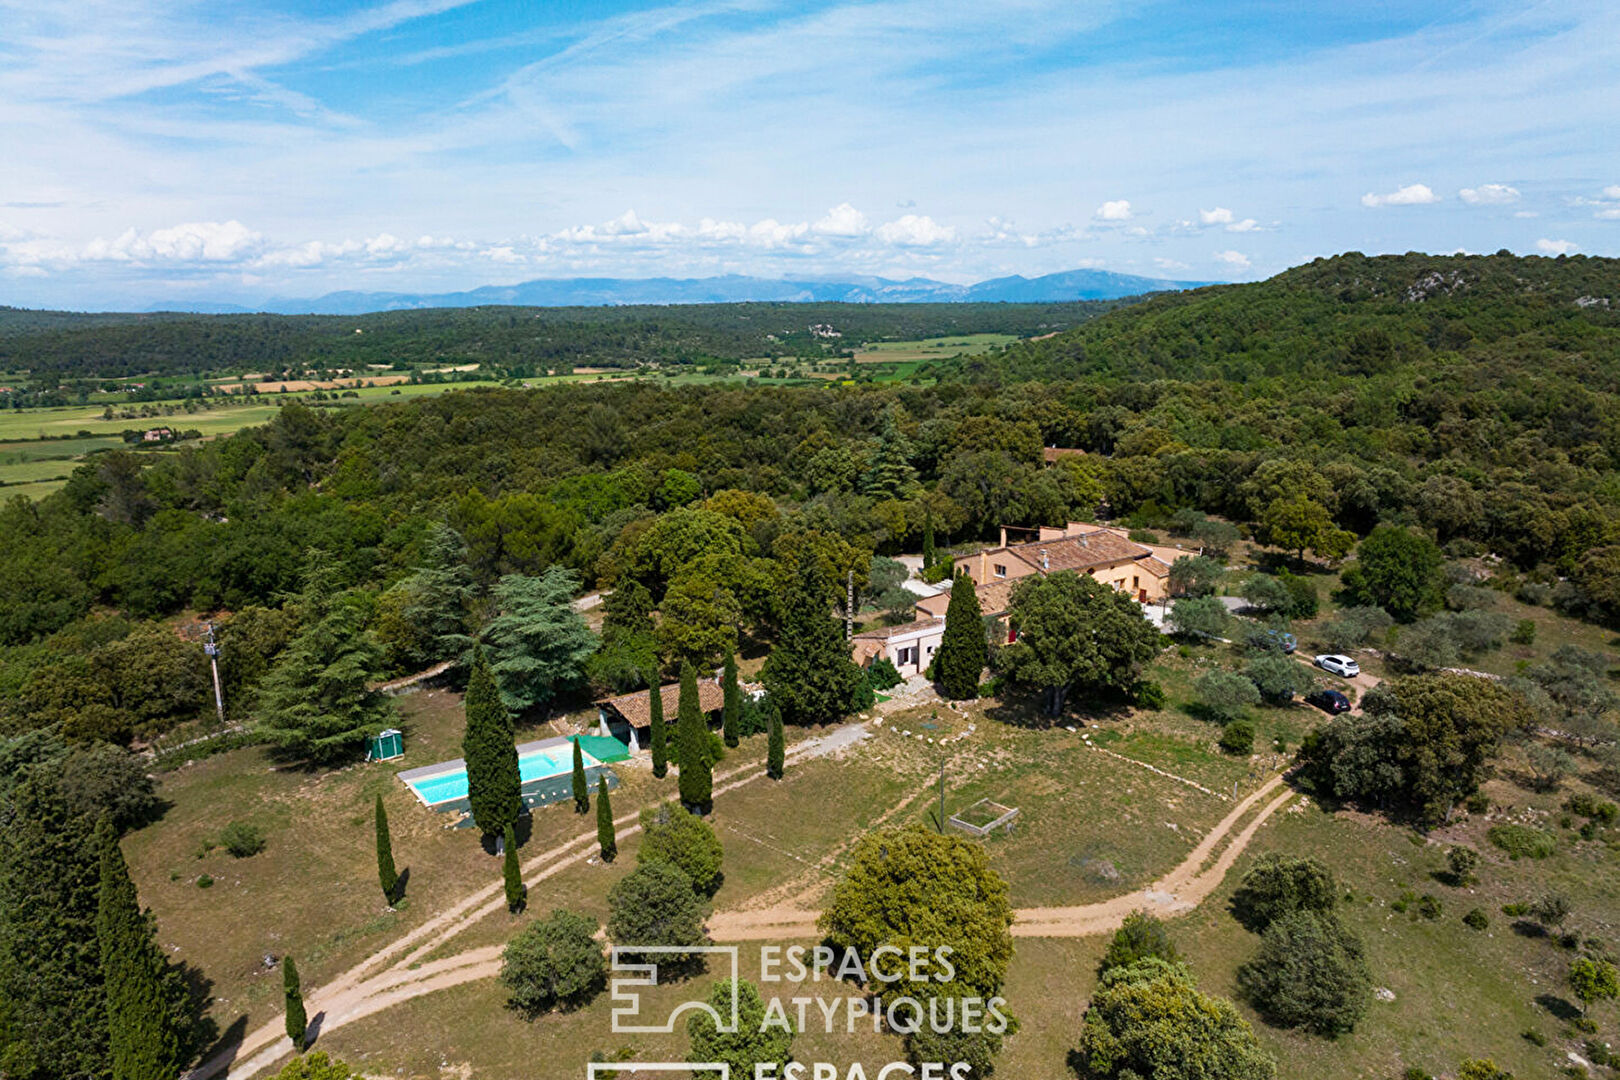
(1091, 826)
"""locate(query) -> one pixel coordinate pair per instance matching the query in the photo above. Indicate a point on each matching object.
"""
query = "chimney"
(1083, 540)
(1004, 536)
(1046, 564)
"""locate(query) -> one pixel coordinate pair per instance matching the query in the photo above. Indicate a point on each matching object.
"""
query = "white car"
(1339, 665)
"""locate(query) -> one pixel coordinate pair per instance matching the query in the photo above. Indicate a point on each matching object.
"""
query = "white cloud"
(1526, 213)
(1612, 214)
(1218, 216)
(843, 220)
(1170, 264)
(198, 241)
(1234, 259)
(772, 233)
(915, 230)
(1556, 247)
(1612, 191)
(1114, 210)
(1410, 195)
(1489, 195)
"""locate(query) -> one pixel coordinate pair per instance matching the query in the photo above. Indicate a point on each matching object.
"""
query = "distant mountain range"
(732, 288)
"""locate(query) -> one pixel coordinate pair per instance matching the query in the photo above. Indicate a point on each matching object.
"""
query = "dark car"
(1329, 701)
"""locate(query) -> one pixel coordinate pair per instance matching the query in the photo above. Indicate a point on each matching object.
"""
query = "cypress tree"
(775, 751)
(494, 785)
(963, 652)
(604, 821)
(385, 856)
(582, 793)
(516, 891)
(929, 554)
(691, 738)
(145, 1003)
(731, 715)
(297, 1020)
(658, 736)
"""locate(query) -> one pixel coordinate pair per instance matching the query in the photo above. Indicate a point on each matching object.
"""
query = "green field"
(931, 348)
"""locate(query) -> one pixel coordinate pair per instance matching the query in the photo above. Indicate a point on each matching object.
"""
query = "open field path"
(1178, 892)
(364, 990)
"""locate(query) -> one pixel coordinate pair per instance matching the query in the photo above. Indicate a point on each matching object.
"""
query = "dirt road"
(396, 972)
(400, 970)
(1178, 892)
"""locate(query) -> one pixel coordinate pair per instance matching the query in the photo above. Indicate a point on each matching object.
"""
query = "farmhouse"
(627, 717)
(910, 647)
(1105, 553)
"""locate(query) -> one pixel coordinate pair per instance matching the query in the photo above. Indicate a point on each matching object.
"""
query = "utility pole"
(212, 649)
(849, 606)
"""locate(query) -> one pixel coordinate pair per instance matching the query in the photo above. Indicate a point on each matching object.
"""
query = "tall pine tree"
(692, 745)
(890, 475)
(494, 783)
(386, 877)
(582, 791)
(775, 751)
(293, 996)
(316, 701)
(963, 652)
(809, 675)
(605, 837)
(929, 554)
(146, 1001)
(731, 714)
(658, 734)
(517, 893)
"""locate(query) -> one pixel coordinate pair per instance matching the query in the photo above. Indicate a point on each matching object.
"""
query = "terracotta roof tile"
(633, 706)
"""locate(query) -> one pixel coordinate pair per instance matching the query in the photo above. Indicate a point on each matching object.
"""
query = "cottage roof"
(633, 706)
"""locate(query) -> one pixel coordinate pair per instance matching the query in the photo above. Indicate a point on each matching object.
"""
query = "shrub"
(1476, 919)
(1551, 910)
(1429, 906)
(655, 904)
(1524, 632)
(1523, 841)
(553, 962)
(1148, 695)
(1310, 973)
(673, 835)
(1278, 885)
(241, 839)
(1533, 1037)
(1514, 911)
(1238, 737)
(1477, 803)
(205, 882)
(1590, 806)
(1462, 862)
(1141, 935)
(882, 674)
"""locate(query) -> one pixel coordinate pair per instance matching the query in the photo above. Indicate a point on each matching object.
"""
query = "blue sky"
(165, 149)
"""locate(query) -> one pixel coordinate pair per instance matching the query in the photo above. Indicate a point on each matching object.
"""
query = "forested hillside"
(517, 340)
(1485, 415)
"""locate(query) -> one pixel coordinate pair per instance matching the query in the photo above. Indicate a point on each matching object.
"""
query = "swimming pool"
(538, 764)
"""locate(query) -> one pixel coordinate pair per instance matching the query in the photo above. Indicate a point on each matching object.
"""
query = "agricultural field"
(941, 348)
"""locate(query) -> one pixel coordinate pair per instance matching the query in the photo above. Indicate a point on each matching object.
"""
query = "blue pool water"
(536, 765)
